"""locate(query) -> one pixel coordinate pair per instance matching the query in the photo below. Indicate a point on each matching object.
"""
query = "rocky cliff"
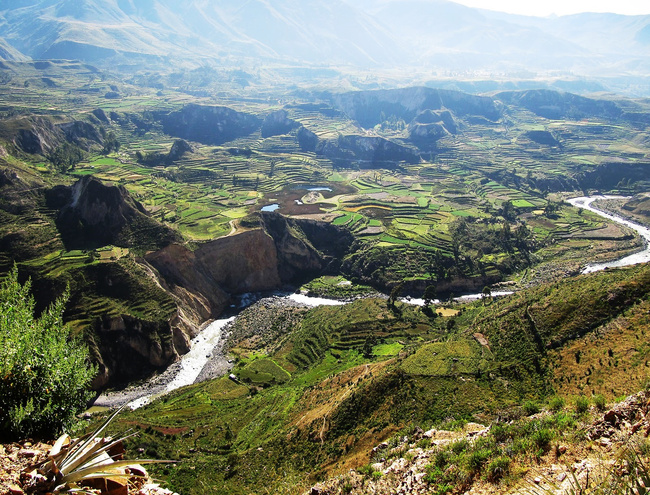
(94, 215)
(355, 150)
(209, 124)
(35, 135)
(277, 123)
(558, 105)
(282, 251)
(40, 136)
(246, 262)
(370, 108)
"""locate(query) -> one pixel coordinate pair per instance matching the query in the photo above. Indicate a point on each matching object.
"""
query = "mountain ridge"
(352, 33)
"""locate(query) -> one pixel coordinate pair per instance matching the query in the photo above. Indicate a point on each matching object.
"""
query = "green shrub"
(500, 433)
(556, 403)
(581, 404)
(477, 458)
(563, 421)
(522, 445)
(530, 407)
(459, 446)
(599, 402)
(542, 437)
(498, 468)
(368, 472)
(44, 376)
(441, 482)
(442, 458)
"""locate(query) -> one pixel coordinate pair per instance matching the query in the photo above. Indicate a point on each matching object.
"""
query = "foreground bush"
(44, 374)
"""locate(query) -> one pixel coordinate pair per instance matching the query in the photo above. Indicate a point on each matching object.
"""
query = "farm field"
(464, 178)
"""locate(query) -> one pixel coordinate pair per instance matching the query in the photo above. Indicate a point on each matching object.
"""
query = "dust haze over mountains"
(431, 35)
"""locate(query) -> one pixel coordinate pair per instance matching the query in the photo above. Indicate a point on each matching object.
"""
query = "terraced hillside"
(317, 389)
(436, 187)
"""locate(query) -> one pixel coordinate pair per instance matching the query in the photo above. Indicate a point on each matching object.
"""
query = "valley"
(323, 248)
(463, 197)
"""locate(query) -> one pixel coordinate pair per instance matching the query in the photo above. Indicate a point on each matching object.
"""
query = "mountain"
(443, 33)
(285, 30)
(8, 52)
(434, 34)
(438, 33)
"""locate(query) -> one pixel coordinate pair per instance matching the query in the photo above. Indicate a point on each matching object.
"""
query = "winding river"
(207, 346)
(633, 259)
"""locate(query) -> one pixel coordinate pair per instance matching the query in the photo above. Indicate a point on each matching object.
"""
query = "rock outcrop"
(93, 215)
(277, 123)
(557, 105)
(283, 251)
(370, 108)
(356, 150)
(34, 135)
(81, 133)
(209, 125)
(131, 347)
(612, 437)
(541, 137)
(306, 248)
(179, 148)
(429, 126)
(246, 262)
(40, 136)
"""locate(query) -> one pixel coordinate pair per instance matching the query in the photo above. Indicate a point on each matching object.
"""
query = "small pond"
(272, 207)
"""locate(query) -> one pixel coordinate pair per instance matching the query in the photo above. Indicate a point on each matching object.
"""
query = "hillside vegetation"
(135, 199)
(314, 402)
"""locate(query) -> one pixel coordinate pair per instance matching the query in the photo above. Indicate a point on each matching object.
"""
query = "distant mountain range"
(435, 34)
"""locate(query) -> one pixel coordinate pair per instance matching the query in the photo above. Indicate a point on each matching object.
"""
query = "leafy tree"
(395, 293)
(508, 211)
(110, 143)
(368, 346)
(429, 295)
(551, 209)
(44, 375)
(487, 292)
(66, 157)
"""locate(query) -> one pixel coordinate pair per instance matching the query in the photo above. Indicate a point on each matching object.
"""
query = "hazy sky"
(561, 7)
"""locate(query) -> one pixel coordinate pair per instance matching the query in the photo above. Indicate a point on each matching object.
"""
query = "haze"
(559, 7)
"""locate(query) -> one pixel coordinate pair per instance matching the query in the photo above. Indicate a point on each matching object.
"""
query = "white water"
(314, 301)
(465, 298)
(633, 259)
(203, 345)
(191, 363)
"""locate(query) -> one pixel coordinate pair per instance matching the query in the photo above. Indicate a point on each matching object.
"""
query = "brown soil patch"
(327, 395)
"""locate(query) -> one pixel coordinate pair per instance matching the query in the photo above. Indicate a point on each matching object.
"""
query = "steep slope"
(94, 215)
(8, 52)
(367, 107)
(319, 395)
(558, 105)
(350, 32)
(281, 30)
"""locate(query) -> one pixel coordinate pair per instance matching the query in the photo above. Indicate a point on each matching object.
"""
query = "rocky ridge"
(401, 468)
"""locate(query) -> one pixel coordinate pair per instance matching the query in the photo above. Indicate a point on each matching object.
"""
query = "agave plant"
(73, 465)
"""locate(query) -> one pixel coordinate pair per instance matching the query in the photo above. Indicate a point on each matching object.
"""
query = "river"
(633, 259)
(207, 346)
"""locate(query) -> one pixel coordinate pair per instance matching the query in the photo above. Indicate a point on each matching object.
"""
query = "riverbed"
(207, 348)
(633, 259)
